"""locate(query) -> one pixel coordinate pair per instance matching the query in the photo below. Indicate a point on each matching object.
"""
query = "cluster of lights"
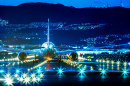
(14, 59)
(25, 78)
(38, 66)
(22, 78)
(16, 63)
(71, 63)
(112, 62)
(88, 59)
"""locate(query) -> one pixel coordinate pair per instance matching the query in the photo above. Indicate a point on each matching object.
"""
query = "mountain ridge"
(40, 12)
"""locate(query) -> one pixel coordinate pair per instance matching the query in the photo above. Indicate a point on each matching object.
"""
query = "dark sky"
(74, 3)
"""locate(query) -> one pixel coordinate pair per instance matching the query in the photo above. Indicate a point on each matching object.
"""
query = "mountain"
(39, 12)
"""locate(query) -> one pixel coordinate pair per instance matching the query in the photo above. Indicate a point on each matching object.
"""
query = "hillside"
(39, 12)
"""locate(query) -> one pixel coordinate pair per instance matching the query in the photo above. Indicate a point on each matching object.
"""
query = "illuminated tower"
(48, 32)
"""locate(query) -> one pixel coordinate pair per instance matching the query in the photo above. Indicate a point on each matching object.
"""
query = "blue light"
(103, 72)
(81, 71)
(125, 72)
(129, 63)
(60, 71)
(39, 71)
(17, 71)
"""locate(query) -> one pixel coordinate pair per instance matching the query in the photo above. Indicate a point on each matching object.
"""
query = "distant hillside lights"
(3, 22)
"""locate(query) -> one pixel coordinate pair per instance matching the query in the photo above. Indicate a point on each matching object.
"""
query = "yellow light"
(99, 69)
(103, 60)
(118, 62)
(112, 62)
(125, 63)
(107, 61)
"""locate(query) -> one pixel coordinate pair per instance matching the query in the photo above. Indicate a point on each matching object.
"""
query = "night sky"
(74, 3)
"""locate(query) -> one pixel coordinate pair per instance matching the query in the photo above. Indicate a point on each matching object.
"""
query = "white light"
(125, 72)
(8, 75)
(38, 79)
(24, 75)
(1, 71)
(129, 63)
(33, 75)
(50, 46)
(21, 79)
(16, 75)
(27, 79)
(34, 79)
(82, 71)
(41, 75)
(8, 81)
